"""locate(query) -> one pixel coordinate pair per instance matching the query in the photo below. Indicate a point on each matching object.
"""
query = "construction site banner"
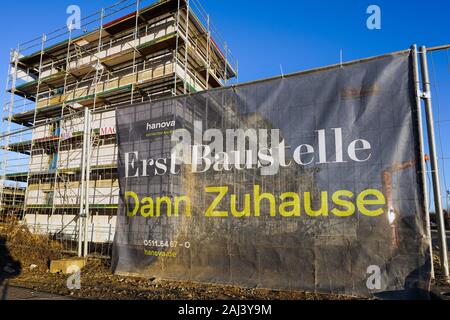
(304, 182)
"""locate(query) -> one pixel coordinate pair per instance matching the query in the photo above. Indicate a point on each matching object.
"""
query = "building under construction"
(128, 53)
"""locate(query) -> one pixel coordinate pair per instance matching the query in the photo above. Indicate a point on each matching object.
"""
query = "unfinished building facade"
(136, 52)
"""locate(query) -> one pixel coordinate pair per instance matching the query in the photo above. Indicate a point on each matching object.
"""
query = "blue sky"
(297, 34)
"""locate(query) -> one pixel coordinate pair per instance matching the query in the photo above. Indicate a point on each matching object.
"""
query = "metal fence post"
(426, 95)
(422, 152)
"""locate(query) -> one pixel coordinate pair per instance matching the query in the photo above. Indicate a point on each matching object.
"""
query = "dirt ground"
(98, 283)
(25, 260)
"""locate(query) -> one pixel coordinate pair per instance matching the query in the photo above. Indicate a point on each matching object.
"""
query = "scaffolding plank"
(23, 147)
(160, 8)
(158, 44)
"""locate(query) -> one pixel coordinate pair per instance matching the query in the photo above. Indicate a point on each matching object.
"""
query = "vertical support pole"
(225, 74)
(423, 167)
(99, 67)
(12, 75)
(36, 102)
(135, 45)
(82, 213)
(186, 47)
(175, 58)
(87, 183)
(4, 140)
(9, 107)
(426, 88)
(58, 158)
(208, 51)
(41, 61)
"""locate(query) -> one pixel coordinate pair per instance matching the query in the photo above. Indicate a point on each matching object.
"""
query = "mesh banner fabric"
(306, 182)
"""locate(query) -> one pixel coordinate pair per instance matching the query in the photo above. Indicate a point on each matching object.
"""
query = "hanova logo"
(160, 125)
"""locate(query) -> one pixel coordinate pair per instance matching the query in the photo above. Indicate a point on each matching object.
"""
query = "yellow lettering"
(245, 212)
(294, 203)
(323, 211)
(159, 202)
(222, 191)
(348, 205)
(259, 198)
(131, 194)
(362, 202)
(147, 208)
(187, 205)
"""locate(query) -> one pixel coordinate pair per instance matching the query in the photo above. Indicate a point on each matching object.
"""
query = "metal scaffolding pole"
(87, 165)
(186, 47)
(41, 61)
(226, 64)
(9, 103)
(426, 95)
(175, 64)
(208, 50)
(135, 44)
(58, 150)
(422, 153)
(82, 213)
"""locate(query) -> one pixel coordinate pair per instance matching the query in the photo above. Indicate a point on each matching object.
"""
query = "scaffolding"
(131, 52)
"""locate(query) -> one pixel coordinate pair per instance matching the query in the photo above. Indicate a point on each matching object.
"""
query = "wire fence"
(41, 176)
